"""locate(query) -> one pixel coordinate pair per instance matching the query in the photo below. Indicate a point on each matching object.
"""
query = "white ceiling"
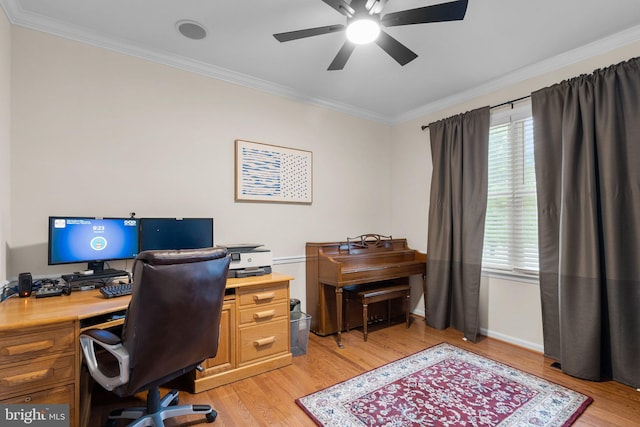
(498, 43)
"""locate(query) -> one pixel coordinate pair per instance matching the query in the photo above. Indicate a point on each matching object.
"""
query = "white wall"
(5, 140)
(101, 133)
(509, 310)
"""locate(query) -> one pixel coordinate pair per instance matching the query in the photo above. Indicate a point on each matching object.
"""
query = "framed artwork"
(269, 173)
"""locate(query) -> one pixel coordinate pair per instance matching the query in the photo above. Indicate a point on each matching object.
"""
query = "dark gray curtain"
(587, 154)
(458, 204)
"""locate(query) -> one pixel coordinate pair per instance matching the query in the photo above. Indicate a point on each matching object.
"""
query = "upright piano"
(366, 260)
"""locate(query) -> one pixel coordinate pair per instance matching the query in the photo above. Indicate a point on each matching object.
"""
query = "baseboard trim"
(419, 311)
(512, 340)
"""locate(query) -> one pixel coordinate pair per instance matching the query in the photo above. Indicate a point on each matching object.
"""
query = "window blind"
(511, 225)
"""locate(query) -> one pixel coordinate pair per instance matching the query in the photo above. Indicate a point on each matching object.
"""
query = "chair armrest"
(112, 344)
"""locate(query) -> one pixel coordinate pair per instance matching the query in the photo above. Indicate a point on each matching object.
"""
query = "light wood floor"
(268, 399)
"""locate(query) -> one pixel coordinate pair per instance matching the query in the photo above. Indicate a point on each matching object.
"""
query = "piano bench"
(370, 296)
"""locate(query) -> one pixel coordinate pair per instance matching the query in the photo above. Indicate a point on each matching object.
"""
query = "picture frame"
(271, 173)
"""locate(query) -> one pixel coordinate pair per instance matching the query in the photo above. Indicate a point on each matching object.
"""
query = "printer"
(248, 259)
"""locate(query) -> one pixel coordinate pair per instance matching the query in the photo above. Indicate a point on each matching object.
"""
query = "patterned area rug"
(445, 386)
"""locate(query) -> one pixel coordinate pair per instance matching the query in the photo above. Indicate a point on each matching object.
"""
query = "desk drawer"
(263, 314)
(257, 296)
(264, 340)
(37, 375)
(54, 396)
(30, 343)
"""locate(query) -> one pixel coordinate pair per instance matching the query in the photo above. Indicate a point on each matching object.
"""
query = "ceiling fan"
(366, 15)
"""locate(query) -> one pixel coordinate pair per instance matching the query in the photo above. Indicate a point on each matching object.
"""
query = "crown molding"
(20, 17)
(554, 63)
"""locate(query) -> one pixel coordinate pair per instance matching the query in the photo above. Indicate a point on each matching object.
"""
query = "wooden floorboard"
(269, 399)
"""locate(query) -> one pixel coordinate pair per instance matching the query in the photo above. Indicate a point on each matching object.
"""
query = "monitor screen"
(83, 239)
(175, 233)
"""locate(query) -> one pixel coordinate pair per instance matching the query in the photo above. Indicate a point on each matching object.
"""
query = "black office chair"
(172, 325)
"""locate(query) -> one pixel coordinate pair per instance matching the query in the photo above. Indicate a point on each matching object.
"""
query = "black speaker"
(25, 284)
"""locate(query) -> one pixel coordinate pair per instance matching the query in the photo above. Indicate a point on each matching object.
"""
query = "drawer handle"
(264, 296)
(30, 377)
(264, 314)
(264, 341)
(14, 350)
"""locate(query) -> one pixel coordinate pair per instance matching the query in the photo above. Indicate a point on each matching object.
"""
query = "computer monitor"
(175, 233)
(91, 240)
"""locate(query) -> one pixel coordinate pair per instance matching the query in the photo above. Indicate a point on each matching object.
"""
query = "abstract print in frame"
(269, 173)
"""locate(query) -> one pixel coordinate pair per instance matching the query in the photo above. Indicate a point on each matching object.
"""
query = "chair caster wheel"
(211, 416)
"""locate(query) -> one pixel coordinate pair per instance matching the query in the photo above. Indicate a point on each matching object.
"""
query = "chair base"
(158, 410)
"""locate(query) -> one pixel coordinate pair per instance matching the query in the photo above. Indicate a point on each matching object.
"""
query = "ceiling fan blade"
(343, 55)
(375, 6)
(451, 11)
(341, 6)
(402, 54)
(309, 32)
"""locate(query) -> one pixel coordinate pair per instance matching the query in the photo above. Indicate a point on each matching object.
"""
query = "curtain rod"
(513, 101)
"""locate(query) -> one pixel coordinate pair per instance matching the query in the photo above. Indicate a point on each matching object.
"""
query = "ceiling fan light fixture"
(363, 30)
(364, 26)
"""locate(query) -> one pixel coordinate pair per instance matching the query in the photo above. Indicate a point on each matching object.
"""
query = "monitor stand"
(99, 272)
(107, 273)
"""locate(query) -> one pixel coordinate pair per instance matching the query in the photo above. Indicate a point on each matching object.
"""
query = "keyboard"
(119, 290)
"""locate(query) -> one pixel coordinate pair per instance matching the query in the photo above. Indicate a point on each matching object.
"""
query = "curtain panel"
(458, 203)
(587, 155)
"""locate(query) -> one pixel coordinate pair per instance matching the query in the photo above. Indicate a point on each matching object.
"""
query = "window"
(511, 226)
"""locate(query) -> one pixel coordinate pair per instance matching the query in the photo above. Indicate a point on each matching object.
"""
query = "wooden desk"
(40, 354)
